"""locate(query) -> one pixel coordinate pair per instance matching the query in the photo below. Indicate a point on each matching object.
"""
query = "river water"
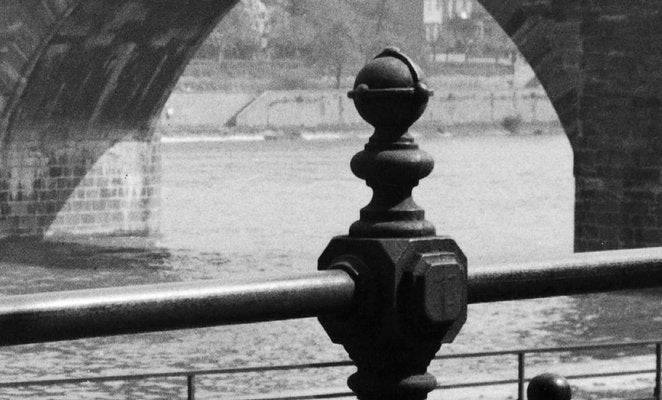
(246, 209)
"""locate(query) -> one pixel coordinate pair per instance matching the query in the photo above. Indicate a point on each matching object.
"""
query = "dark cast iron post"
(411, 284)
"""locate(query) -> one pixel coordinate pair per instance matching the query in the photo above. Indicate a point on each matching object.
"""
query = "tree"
(239, 34)
(321, 32)
(383, 23)
(333, 35)
(446, 41)
(351, 32)
(336, 51)
(292, 33)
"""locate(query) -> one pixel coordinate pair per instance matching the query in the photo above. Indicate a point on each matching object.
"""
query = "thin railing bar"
(320, 365)
(559, 349)
(190, 387)
(464, 385)
(45, 317)
(331, 395)
(512, 381)
(658, 371)
(582, 273)
(520, 376)
(467, 385)
(174, 374)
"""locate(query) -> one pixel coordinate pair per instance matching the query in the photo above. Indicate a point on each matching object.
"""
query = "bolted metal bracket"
(438, 286)
(413, 289)
(411, 286)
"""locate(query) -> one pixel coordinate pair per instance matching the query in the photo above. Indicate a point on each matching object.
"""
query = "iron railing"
(65, 315)
(191, 375)
(98, 312)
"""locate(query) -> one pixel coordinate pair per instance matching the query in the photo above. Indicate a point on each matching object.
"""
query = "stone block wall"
(118, 195)
(81, 85)
(78, 188)
(333, 109)
(618, 155)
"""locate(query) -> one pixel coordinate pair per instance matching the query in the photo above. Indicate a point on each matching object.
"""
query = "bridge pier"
(599, 63)
(618, 161)
(65, 188)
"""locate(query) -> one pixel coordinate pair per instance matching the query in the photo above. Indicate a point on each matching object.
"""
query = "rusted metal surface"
(579, 274)
(101, 312)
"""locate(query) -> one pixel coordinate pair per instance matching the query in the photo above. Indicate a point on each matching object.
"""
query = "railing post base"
(413, 387)
(410, 297)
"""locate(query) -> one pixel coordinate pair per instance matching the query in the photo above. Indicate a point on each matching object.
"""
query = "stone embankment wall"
(313, 109)
(203, 110)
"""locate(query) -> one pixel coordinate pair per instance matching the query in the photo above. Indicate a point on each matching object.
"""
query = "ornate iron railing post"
(411, 285)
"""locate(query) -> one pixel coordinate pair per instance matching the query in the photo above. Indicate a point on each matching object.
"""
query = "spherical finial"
(390, 93)
(549, 387)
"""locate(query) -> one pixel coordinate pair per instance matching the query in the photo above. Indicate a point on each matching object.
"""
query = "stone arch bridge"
(82, 82)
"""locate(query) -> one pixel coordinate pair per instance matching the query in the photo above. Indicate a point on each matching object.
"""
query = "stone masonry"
(599, 62)
(81, 83)
(618, 152)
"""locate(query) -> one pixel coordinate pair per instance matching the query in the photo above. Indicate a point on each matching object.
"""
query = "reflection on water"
(243, 209)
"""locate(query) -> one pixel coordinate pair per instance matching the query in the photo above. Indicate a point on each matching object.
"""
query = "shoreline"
(208, 134)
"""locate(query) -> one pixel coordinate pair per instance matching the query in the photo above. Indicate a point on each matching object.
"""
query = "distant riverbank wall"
(332, 109)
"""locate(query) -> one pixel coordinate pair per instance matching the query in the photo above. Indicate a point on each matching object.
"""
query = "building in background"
(433, 19)
(463, 27)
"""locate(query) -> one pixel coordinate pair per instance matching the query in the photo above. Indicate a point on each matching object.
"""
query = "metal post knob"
(390, 94)
(549, 387)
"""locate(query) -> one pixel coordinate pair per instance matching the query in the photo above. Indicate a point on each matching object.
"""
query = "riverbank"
(192, 134)
(331, 110)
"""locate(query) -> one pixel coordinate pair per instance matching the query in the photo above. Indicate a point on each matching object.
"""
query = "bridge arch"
(81, 83)
(602, 77)
(79, 79)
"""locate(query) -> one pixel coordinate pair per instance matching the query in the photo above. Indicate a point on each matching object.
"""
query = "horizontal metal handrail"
(580, 274)
(553, 349)
(335, 364)
(77, 314)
